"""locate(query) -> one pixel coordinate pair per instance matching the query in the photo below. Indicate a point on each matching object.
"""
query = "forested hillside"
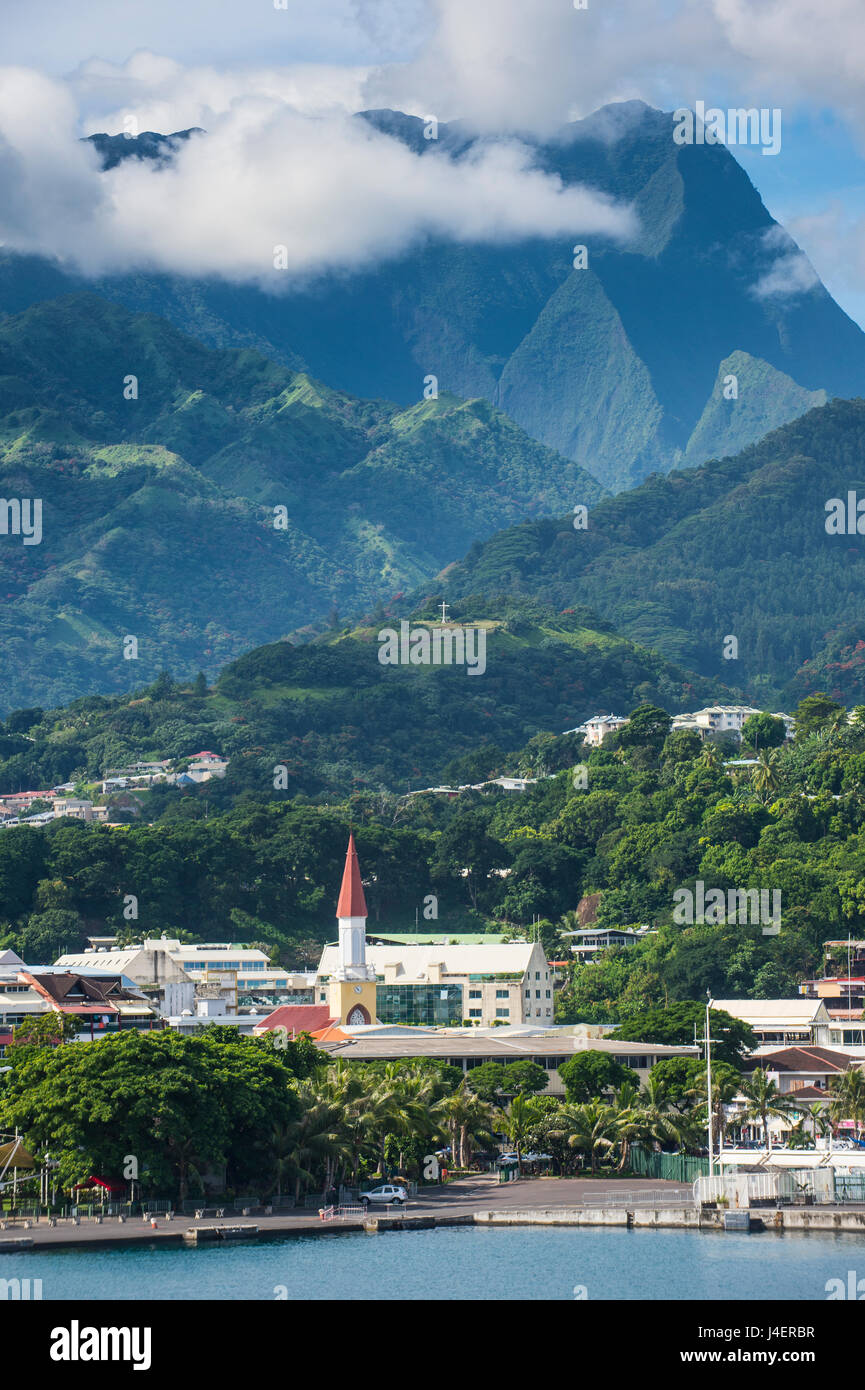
(738, 547)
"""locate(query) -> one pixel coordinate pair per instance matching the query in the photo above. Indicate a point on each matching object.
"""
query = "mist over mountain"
(621, 366)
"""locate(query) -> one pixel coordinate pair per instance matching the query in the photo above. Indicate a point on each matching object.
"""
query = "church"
(443, 982)
(352, 985)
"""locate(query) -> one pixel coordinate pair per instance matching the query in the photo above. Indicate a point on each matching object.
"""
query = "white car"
(387, 1194)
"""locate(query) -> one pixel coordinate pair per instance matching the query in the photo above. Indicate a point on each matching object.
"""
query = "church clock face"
(358, 989)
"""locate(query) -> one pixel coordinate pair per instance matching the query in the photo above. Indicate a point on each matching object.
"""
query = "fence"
(781, 1187)
(667, 1167)
(850, 1187)
(642, 1197)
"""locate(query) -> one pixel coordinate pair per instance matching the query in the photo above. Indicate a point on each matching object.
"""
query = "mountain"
(619, 366)
(338, 720)
(227, 501)
(738, 547)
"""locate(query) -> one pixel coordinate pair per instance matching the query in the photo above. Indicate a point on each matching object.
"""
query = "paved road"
(460, 1198)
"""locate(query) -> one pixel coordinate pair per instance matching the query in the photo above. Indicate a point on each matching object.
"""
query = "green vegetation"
(337, 721)
(233, 860)
(228, 502)
(736, 547)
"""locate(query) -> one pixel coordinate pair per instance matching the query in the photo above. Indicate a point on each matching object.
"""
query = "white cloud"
(336, 193)
(161, 94)
(790, 273)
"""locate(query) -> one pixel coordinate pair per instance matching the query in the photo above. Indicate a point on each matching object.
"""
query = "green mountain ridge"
(159, 517)
(337, 719)
(737, 547)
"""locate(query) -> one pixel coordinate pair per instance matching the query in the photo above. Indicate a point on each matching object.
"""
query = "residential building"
(725, 719)
(79, 809)
(589, 942)
(595, 730)
(803, 1071)
(843, 995)
(780, 1022)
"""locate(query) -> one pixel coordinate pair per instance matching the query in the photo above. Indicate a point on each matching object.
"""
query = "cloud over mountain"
(335, 192)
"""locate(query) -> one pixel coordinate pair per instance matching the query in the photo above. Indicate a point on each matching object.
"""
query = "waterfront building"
(466, 1048)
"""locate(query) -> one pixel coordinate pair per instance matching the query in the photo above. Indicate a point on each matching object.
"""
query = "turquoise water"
(458, 1263)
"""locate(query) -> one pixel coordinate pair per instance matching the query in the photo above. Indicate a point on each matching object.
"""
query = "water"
(458, 1263)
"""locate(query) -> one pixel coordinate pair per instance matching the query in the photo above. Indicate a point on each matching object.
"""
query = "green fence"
(669, 1167)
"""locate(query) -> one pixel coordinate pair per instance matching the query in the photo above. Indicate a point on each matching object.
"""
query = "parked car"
(388, 1194)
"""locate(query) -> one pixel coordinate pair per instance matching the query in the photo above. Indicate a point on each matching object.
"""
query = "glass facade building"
(436, 1004)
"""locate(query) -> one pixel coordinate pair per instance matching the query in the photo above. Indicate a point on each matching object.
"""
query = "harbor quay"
(625, 1202)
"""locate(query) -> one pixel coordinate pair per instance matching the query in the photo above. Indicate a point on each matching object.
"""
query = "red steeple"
(351, 903)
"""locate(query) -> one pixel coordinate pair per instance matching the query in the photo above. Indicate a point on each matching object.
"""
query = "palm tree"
(848, 1097)
(524, 1114)
(766, 779)
(709, 756)
(821, 1120)
(401, 1104)
(629, 1118)
(660, 1122)
(303, 1147)
(764, 1101)
(725, 1085)
(466, 1118)
(591, 1128)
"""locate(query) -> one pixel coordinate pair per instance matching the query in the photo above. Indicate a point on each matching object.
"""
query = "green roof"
(406, 938)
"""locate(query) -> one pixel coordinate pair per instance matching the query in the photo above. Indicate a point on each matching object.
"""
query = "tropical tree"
(764, 1101)
(467, 1119)
(848, 1097)
(524, 1115)
(766, 779)
(591, 1129)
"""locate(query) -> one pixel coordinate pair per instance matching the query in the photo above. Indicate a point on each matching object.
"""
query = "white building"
(240, 973)
(725, 719)
(484, 984)
(595, 730)
(781, 1022)
(589, 942)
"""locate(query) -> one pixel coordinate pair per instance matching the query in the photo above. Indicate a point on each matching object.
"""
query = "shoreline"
(764, 1220)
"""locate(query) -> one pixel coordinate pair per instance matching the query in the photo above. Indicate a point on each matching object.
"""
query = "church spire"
(351, 903)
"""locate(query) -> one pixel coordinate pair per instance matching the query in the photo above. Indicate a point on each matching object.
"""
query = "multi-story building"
(446, 984)
(242, 974)
(595, 730)
(101, 1002)
(724, 719)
